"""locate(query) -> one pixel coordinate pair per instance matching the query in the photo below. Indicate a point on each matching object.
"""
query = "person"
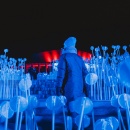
(71, 74)
(33, 72)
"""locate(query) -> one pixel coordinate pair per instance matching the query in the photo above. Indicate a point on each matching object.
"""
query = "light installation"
(47, 58)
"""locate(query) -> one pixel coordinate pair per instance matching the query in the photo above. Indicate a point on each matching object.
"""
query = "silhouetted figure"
(33, 72)
(71, 74)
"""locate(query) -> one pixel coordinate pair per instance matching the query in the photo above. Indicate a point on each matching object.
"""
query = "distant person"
(71, 73)
(33, 72)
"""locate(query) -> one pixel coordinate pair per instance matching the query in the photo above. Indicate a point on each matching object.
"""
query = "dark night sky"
(28, 28)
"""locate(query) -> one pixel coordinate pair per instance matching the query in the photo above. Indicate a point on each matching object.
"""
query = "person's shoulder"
(62, 56)
(79, 57)
(70, 54)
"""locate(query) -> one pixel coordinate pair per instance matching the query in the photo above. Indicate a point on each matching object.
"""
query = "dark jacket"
(71, 75)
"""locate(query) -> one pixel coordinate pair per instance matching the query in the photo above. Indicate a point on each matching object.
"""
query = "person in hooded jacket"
(71, 73)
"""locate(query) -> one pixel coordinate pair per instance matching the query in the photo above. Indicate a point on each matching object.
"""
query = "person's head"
(70, 42)
(69, 45)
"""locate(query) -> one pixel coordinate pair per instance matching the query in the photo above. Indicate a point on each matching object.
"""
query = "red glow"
(47, 56)
(84, 55)
(55, 54)
(50, 56)
(79, 53)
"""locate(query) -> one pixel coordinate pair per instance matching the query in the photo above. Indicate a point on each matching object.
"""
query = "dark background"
(32, 27)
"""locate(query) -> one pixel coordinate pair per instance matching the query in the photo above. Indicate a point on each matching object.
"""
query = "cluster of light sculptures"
(108, 79)
(11, 72)
(15, 92)
(106, 76)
